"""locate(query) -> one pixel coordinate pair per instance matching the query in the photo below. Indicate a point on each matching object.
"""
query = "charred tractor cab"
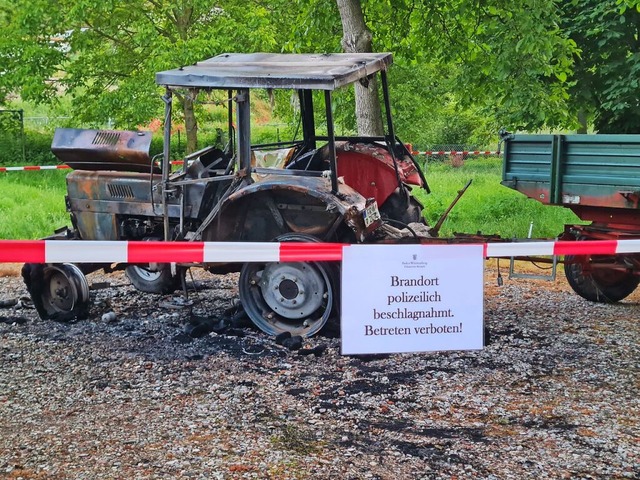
(320, 187)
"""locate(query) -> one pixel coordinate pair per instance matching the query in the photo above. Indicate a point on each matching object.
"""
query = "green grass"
(486, 206)
(32, 203)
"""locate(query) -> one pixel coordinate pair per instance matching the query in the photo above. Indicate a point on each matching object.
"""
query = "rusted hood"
(124, 151)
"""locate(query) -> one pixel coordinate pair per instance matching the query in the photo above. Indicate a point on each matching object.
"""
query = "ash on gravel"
(553, 395)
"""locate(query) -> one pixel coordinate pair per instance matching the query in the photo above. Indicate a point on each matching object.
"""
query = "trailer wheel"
(59, 291)
(155, 278)
(603, 285)
(294, 297)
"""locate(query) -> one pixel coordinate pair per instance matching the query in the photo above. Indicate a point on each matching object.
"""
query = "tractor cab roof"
(327, 71)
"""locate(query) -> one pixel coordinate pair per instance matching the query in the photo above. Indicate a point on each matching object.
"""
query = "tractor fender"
(276, 205)
(381, 179)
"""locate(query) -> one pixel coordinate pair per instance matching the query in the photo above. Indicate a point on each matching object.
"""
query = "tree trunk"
(190, 122)
(356, 38)
(181, 15)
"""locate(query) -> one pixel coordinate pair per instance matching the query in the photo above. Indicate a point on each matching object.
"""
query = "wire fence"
(38, 123)
(454, 154)
(14, 148)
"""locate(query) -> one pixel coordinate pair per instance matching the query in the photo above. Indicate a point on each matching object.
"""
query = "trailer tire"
(600, 285)
(158, 280)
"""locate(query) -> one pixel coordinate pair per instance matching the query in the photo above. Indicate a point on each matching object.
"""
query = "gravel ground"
(554, 394)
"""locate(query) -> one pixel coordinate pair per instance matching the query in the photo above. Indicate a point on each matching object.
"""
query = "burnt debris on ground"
(554, 394)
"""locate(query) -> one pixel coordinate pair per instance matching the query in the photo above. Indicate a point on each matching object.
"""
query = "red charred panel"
(369, 169)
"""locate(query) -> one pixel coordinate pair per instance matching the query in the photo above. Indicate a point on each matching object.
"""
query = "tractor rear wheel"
(295, 297)
(402, 207)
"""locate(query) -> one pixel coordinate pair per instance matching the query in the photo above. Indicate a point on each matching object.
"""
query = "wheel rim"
(292, 290)
(65, 288)
(295, 297)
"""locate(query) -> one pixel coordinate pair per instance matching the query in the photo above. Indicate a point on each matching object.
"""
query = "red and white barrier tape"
(70, 251)
(34, 167)
(181, 162)
(56, 167)
(454, 152)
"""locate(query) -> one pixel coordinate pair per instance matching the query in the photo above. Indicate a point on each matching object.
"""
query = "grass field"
(486, 206)
(32, 203)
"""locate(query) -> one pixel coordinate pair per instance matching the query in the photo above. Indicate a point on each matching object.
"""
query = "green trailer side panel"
(575, 170)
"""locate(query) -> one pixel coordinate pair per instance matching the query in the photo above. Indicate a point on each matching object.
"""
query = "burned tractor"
(320, 187)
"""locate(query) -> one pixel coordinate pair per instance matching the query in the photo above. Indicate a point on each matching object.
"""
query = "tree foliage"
(525, 65)
(605, 84)
(511, 58)
(105, 53)
(508, 61)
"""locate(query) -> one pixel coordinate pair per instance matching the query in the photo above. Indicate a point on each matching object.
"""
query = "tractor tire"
(59, 291)
(300, 298)
(159, 280)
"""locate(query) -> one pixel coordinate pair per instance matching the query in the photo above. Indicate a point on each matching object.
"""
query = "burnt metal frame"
(176, 79)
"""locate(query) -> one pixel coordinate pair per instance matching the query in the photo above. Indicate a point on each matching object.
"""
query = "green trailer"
(598, 178)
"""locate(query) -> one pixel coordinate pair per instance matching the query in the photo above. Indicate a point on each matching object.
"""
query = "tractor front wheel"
(155, 278)
(59, 291)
